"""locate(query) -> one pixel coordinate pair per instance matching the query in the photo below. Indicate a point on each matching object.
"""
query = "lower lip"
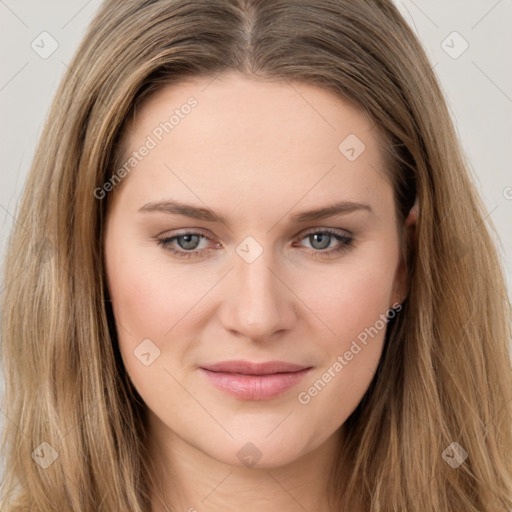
(255, 387)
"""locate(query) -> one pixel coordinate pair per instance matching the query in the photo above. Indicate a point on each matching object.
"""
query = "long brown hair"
(445, 375)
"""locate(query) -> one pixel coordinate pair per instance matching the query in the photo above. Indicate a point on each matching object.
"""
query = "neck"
(188, 479)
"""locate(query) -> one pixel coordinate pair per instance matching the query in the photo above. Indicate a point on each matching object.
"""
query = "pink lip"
(254, 381)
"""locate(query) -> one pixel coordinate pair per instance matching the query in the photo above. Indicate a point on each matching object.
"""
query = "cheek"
(353, 305)
(149, 303)
(150, 296)
(159, 301)
(350, 299)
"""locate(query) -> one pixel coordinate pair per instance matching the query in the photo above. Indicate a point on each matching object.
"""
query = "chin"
(260, 450)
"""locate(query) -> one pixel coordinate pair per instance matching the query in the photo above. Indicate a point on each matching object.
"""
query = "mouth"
(254, 381)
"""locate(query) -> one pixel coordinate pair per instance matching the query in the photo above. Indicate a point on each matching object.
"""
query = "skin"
(256, 152)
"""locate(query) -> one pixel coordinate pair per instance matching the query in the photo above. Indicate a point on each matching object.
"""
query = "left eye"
(188, 242)
(324, 238)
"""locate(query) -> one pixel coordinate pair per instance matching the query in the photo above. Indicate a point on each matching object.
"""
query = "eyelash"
(346, 240)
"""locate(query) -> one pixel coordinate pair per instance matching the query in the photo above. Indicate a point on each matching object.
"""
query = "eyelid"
(338, 231)
(344, 238)
(301, 234)
(185, 231)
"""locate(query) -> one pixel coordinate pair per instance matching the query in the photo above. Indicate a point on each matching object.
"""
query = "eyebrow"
(177, 208)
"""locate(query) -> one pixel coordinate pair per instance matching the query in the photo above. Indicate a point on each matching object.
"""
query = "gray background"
(477, 84)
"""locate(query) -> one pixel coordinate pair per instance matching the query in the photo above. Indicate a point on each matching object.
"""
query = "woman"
(251, 270)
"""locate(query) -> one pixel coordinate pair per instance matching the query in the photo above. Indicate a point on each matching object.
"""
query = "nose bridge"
(260, 303)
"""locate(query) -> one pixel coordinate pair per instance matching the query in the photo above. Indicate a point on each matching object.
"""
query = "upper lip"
(250, 368)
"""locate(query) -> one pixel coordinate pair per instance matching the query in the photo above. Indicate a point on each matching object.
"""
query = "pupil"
(322, 236)
(188, 243)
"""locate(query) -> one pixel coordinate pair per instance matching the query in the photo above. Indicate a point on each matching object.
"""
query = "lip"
(254, 381)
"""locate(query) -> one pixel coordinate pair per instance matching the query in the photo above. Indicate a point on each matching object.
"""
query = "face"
(215, 268)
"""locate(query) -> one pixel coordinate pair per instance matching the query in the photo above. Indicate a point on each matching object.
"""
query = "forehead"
(251, 111)
(253, 137)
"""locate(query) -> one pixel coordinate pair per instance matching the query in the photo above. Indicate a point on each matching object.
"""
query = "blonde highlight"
(445, 374)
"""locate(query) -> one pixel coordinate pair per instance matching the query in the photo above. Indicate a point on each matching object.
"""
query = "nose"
(258, 302)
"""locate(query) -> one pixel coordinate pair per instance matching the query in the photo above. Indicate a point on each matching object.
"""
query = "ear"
(401, 285)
